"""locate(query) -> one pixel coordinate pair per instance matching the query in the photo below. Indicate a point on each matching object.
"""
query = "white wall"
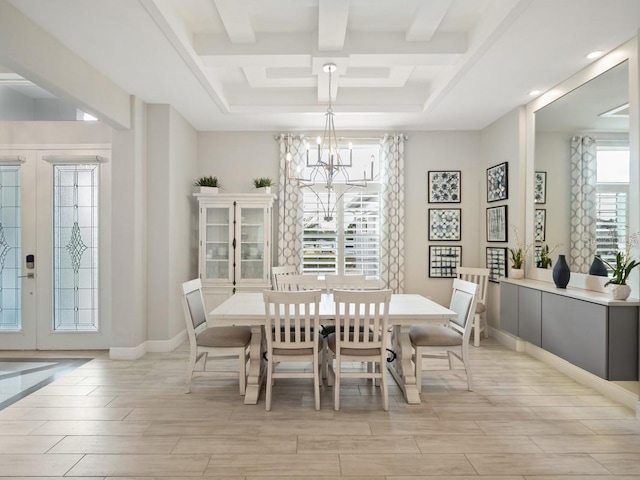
(236, 158)
(504, 141)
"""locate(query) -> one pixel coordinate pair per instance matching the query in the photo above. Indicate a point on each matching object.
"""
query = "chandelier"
(328, 168)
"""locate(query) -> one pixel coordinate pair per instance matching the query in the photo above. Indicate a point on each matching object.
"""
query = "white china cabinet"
(234, 244)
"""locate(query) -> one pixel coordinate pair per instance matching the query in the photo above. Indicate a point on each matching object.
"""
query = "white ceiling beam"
(427, 20)
(332, 24)
(236, 21)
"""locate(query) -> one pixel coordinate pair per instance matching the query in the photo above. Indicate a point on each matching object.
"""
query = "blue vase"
(561, 272)
(598, 267)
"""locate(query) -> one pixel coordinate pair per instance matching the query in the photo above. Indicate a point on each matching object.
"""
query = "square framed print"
(497, 224)
(497, 263)
(445, 224)
(445, 186)
(540, 187)
(444, 260)
(540, 224)
(498, 182)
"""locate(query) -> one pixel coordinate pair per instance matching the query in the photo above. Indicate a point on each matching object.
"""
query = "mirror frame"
(626, 52)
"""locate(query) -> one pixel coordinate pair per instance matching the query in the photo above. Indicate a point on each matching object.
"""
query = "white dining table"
(405, 310)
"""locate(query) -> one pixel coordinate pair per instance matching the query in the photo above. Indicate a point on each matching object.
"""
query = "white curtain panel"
(583, 203)
(392, 178)
(290, 202)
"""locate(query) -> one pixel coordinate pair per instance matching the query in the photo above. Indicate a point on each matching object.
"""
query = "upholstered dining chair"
(212, 342)
(479, 276)
(361, 335)
(452, 340)
(291, 328)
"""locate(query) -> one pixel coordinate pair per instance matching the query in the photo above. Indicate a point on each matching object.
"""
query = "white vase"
(517, 273)
(265, 190)
(209, 190)
(620, 292)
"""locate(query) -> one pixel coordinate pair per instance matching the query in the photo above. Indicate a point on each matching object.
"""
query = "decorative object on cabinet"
(621, 271)
(445, 224)
(540, 187)
(443, 261)
(445, 186)
(497, 263)
(561, 272)
(598, 268)
(543, 255)
(540, 224)
(235, 244)
(208, 184)
(497, 224)
(498, 182)
(264, 183)
(518, 255)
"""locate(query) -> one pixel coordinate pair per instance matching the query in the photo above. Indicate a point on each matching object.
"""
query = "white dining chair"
(344, 282)
(206, 342)
(293, 335)
(361, 335)
(296, 283)
(479, 276)
(278, 272)
(450, 341)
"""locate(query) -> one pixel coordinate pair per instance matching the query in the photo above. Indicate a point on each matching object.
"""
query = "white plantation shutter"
(612, 220)
(352, 248)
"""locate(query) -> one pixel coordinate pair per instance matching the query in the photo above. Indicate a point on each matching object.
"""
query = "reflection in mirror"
(582, 172)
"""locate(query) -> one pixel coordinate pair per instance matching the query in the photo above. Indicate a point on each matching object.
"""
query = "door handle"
(28, 275)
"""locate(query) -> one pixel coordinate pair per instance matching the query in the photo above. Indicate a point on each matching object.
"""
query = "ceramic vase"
(598, 267)
(517, 273)
(620, 292)
(561, 273)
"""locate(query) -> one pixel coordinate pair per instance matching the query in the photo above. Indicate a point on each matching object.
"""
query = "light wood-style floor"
(524, 420)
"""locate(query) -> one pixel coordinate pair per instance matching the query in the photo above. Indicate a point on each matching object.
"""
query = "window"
(349, 242)
(612, 198)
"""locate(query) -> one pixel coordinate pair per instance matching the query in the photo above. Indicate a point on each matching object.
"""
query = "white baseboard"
(608, 389)
(151, 346)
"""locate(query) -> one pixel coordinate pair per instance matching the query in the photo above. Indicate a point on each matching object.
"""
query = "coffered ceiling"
(401, 64)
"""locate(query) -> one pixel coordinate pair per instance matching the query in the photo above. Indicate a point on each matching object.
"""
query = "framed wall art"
(444, 260)
(445, 224)
(498, 182)
(540, 224)
(497, 224)
(540, 187)
(444, 186)
(496, 263)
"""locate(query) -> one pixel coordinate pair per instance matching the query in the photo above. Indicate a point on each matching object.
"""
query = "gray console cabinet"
(601, 337)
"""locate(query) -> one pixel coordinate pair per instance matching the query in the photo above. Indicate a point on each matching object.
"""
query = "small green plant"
(262, 182)
(207, 182)
(519, 252)
(621, 269)
(544, 261)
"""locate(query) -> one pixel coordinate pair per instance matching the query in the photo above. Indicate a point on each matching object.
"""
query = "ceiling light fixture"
(533, 93)
(594, 54)
(329, 168)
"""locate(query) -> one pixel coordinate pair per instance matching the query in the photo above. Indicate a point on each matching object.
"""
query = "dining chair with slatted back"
(345, 282)
(479, 276)
(361, 335)
(450, 341)
(293, 335)
(278, 272)
(210, 342)
(296, 283)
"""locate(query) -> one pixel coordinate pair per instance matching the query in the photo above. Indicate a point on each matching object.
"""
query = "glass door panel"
(10, 249)
(252, 226)
(217, 238)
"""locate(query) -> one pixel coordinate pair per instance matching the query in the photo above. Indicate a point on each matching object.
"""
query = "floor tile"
(21, 465)
(535, 464)
(116, 444)
(145, 465)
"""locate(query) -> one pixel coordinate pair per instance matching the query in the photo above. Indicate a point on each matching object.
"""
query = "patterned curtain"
(392, 177)
(290, 202)
(583, 202)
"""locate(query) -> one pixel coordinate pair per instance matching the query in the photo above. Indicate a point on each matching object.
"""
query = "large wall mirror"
(581, 175)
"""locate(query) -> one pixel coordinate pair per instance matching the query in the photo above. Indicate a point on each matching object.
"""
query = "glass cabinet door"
(217, 251)
(252, 243)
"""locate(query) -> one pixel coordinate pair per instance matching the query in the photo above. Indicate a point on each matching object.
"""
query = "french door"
(51, 242)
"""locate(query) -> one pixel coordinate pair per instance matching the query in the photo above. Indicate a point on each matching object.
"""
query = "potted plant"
(264, 183)
(518, 255)
(621, 271)
(208, 184)
(544, 261)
